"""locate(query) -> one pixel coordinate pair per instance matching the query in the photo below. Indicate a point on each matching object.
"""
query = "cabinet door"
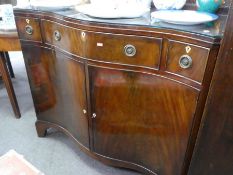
(58, 89)
(141, 118)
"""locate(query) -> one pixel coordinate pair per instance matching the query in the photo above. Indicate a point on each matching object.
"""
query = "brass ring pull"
(185, 61)
(29, 29)
(130, 50)
(57, 35)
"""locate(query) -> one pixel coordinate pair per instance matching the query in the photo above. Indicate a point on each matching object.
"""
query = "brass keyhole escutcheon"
(83, 34)
(27, 21)
(188, 49)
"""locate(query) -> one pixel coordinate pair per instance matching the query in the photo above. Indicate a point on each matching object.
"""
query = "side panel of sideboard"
(213, 153)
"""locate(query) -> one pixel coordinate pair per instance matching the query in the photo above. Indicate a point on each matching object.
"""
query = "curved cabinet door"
(141, 119)
(58, 89)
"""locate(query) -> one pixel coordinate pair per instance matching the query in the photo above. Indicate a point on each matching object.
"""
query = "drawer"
(124, 49)
(107, 47)
(28, 29)
(64, 37)
(186, 60)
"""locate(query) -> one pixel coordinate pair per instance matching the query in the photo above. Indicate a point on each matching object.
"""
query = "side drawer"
(186, 60)
(64, 37)
(107, 47)
(28, 29)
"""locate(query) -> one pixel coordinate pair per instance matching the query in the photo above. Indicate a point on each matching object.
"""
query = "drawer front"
(28, 29)
(64, 37)
(107, 47)
(187, 60)
(124, 49)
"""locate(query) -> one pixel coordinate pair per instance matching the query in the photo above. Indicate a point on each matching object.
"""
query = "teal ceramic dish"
(210, 6)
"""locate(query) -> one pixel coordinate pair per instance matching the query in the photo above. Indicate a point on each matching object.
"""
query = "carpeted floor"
(55, 154)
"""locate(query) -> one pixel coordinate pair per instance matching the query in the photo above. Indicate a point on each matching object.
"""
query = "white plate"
(110, 12)
(54, 4)
(183, 17)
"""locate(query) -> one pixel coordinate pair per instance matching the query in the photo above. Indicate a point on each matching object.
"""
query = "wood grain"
(214, 149)
(104, 46)
(147, 110)
(142, 119)
(199, 56)
(21, 24)
(58, 87)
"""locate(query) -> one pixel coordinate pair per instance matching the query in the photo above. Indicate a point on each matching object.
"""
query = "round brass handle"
(29, 29)
(57, 35)
(185, 61)
(130, 50)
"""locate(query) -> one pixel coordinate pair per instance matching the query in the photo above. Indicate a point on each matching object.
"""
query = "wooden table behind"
(9, 42)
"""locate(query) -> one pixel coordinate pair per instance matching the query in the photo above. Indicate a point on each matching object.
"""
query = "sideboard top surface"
(214, 30)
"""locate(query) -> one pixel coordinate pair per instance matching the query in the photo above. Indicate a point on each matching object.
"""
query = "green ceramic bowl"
(210, 6)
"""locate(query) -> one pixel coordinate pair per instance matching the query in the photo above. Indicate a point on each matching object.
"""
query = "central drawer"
(107, 47)
(125, 49)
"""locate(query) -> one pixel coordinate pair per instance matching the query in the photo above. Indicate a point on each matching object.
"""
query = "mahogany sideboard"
(130, 93)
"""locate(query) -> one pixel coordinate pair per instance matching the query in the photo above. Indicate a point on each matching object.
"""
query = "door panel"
(141, 118)
(58, 90)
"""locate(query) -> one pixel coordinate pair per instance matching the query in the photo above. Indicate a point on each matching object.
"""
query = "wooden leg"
(41, 128)
(8, 84)
(9, 66)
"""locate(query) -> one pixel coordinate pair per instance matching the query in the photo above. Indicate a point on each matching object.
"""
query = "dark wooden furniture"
(213, 153)
(131, 96)
(9, 65)
(9, 42)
